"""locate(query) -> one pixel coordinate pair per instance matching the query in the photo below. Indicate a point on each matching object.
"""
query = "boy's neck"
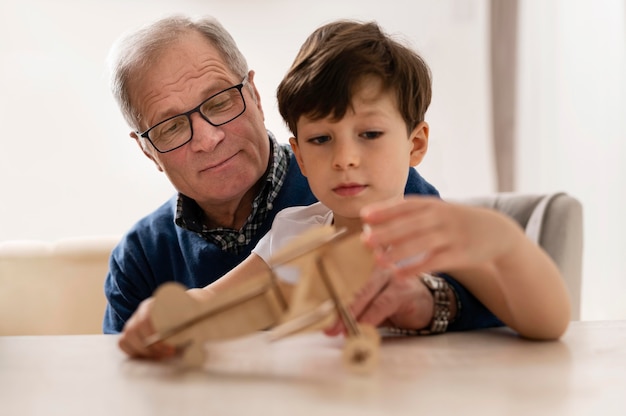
(352, 225)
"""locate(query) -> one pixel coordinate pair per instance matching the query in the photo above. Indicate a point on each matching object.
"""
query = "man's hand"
(137, 330)
(401, 302)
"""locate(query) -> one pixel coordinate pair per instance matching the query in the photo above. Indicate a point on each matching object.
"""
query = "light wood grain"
(484, 373)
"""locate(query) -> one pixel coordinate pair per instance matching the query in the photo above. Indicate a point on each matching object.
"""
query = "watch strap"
(441, 291)
(441, 297)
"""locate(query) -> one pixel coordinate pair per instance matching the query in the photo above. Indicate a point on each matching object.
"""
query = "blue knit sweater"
(156, 250)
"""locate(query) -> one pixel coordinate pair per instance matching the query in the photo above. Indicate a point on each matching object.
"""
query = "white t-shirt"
(288, 224)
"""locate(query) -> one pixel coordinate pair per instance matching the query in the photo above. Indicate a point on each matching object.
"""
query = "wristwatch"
(441, 291)
(441, 295)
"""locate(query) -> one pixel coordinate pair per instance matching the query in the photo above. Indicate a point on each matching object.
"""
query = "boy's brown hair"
(335, 57)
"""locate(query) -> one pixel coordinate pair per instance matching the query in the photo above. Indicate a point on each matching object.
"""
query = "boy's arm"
(522, 286)
(252, 266)
(485, 251)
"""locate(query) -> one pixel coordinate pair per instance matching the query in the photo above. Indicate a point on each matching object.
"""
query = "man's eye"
(372, 134)
(319, 139)
(170, 127)
(173, 127)
(221, 104)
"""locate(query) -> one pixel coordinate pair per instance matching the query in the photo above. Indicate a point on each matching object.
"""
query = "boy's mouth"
(349, 189)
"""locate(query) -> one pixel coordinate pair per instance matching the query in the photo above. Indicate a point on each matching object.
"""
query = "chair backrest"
(53, 288)
(555, 222)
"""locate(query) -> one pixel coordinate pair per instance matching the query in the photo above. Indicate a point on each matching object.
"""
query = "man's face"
(220, 165)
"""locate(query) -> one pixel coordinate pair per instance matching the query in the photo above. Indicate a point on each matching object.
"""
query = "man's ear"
(296, 151)
(255, 92)
(419, 140)
(149, 155)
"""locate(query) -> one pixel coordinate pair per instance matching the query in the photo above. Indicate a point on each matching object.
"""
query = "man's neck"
(231, 214)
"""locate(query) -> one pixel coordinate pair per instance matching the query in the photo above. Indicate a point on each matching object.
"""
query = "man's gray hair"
(135, 52)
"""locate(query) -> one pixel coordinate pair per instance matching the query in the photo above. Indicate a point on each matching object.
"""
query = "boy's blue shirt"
(155, 250)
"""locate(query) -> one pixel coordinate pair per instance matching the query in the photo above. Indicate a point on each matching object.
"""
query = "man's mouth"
(216, 165)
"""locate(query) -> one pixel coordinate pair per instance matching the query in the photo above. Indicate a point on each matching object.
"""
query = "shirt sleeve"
(288, 224)
(126, 285)
(118, 309)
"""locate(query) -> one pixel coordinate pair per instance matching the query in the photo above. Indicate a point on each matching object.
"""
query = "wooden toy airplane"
(332, 265)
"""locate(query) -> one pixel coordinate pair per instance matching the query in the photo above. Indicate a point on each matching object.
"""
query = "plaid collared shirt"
(189, 215)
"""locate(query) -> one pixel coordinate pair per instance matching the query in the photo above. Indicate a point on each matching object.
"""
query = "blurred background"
(69, 168)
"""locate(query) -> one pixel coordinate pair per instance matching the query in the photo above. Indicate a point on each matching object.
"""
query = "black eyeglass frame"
(238, 87)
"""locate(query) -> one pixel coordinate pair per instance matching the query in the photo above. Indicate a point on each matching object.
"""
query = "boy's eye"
(372, 134)
(319, 139)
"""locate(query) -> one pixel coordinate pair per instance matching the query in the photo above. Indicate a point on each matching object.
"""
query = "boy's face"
(362, 158)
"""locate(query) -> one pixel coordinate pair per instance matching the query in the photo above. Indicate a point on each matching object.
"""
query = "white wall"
(572, 130)
(68, 166)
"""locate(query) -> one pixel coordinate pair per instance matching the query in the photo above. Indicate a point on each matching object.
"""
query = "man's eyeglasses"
(217, 110)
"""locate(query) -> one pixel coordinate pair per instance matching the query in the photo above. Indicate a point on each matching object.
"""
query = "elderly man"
(187, 93)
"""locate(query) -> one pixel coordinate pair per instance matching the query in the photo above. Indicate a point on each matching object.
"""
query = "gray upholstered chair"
(555, 222)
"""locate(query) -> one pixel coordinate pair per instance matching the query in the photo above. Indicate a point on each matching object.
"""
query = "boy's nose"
(345, 154)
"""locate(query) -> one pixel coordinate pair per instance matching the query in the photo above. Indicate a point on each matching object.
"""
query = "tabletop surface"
(487, 372)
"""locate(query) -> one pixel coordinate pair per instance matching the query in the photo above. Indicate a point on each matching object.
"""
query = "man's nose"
(205, 136)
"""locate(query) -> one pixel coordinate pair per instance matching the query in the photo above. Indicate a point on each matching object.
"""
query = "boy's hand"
(426, 234)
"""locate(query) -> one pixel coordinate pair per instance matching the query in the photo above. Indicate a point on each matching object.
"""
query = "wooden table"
(490, 372)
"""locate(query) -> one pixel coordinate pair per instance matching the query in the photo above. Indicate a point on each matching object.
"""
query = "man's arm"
(129, 281)
(471, 313)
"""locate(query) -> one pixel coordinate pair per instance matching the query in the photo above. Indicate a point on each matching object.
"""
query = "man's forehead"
(185, 72)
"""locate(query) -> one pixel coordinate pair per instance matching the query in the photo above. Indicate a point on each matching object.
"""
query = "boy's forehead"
(368, 88)
(371, 91)
(367, 99)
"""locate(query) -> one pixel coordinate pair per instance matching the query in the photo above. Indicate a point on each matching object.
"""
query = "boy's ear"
(296, 151)
(419, 139)
(145, 152)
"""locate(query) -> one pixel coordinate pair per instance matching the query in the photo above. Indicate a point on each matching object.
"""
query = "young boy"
(355, 101)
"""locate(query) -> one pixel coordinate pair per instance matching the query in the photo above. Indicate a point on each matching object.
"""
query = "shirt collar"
(189, 215)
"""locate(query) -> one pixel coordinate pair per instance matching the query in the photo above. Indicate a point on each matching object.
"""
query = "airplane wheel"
(360, 354)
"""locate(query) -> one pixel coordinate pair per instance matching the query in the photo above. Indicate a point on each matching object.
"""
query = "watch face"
(431, 281)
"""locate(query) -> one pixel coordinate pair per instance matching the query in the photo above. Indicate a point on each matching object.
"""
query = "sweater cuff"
(471, 313)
